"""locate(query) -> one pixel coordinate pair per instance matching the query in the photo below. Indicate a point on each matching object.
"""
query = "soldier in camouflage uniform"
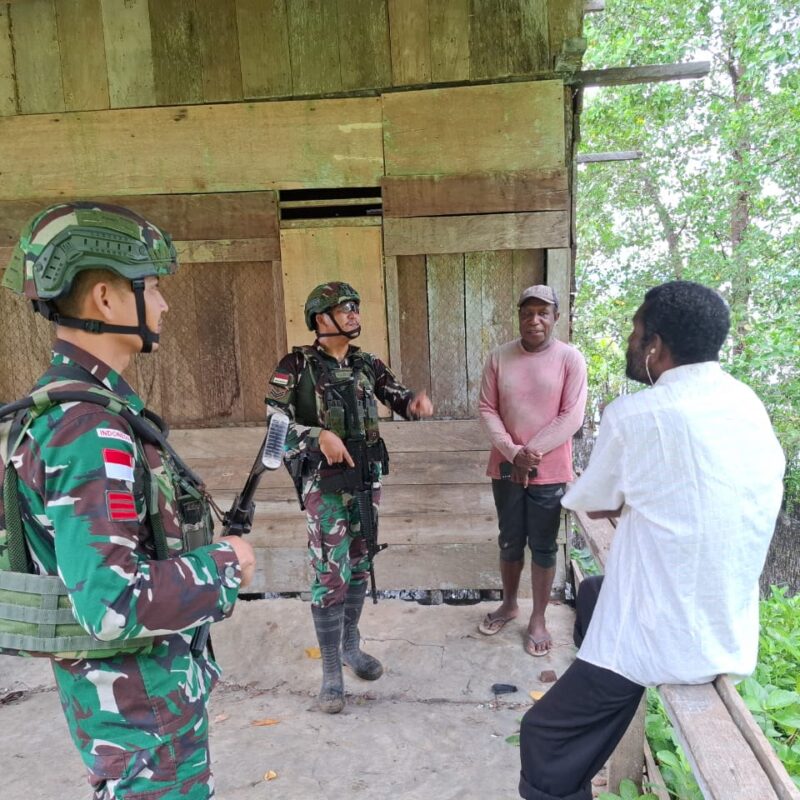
(308, 385)
(137, 717)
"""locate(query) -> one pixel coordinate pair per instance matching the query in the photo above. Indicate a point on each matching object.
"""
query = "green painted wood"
(177, 60)
(83, 54)
(409, 29)
(446, 324)
(219, 50)
(364, 50)
(449, 22)
(8, 84)
(314, 46)
(36, 57)
(264, 48)
(129, 53)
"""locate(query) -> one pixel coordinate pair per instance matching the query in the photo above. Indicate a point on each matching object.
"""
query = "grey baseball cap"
(538, 292)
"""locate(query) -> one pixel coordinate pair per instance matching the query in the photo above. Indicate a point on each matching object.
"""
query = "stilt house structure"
(422, 150)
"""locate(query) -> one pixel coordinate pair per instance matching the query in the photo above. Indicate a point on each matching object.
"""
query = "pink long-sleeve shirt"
(535, 400)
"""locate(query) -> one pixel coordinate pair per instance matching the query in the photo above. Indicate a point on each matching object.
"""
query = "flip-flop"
(532, 643)
(492, 625)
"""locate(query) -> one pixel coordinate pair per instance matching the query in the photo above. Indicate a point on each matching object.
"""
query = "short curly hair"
(691, 319)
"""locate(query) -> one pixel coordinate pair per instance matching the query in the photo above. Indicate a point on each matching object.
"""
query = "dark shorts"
(529, 516)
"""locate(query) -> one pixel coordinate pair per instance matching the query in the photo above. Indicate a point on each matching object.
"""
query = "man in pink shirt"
(533, 396)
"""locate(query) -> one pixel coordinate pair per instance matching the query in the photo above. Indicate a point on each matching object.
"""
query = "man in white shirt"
(694, 471)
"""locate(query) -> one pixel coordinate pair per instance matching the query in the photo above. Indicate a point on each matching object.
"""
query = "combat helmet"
(326, 296)
(68, 238)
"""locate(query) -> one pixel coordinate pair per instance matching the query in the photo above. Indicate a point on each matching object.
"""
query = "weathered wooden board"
(723, 764)
(129, 53)
(444, 566)
(83, 54)
(232, 147)
(412, 285)
(260, 331)
(565, 21)
(598, 534)
(447, 330)
(559, 277)
(364, 50)
(8, 86)
(314, 46)
(24, 346)
(263, 31)
(36, 57)
(406, 437)
(435, 195)
(318, 255)
(495, 128)
(203, 218)
(528, 270)
(393, 315)
(490, 312)
(222, 250)
(418, 469)
(449, 22)
(474, 232)
(177, 58)
(218, 41)
(410, 41)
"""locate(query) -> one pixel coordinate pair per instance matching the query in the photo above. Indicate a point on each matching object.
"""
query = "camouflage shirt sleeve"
(103, 545)
(389, 390)
(282, 396)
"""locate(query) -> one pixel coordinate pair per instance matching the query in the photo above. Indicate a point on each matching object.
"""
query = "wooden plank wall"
(81, 55)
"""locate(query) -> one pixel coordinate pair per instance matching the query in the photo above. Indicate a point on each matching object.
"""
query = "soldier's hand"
(334, 450)
(245, 555)
(421, 405)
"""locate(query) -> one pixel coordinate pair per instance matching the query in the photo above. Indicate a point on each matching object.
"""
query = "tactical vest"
(340, 399)
(36, 617)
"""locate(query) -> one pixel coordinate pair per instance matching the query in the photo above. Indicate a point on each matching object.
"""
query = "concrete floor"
(429, 728)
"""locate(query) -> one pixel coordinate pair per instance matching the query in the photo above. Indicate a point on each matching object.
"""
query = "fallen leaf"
(313, 652)
(270, 775)
(263, 723)
(220, 718)
(536, 694)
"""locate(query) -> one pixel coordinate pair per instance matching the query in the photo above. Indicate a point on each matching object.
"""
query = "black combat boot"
(364, 665)
(328, 624)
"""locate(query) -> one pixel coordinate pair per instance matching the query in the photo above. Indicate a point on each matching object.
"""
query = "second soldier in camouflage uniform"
(309, 385)
(137, 713)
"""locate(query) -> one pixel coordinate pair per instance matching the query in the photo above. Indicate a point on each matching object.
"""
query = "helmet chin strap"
(48, 310)
(355, 333)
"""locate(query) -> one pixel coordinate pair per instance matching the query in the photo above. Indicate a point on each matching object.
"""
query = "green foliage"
(716, 197)
(585, 560)
(627, 791)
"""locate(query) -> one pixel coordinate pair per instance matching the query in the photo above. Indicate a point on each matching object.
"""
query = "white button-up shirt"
(697, 468)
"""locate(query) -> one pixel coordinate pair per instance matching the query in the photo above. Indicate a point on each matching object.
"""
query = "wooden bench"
(729, 755)
(437, 511)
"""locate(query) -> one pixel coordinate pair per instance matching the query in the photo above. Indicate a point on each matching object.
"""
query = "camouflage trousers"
(140, 722)
(336, 548)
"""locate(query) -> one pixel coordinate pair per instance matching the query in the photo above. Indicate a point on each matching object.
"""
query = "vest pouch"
(36, 619)
(197, 525)
(336, 419)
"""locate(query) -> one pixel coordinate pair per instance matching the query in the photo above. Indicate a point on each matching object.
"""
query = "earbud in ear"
(652, 351)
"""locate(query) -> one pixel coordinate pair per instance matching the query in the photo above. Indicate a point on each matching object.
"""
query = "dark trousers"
(569, 734)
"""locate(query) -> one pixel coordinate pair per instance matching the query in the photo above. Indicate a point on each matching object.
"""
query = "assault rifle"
(371, 461)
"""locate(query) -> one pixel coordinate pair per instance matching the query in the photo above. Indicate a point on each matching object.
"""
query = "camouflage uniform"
(137, 718)
(336, 551)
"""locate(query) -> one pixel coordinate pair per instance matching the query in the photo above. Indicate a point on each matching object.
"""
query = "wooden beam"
(599, 158)
(470, 233)
(592, 6)
(436, 195)
(649, 73)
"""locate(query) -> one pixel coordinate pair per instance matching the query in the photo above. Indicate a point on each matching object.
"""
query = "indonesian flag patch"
(280, 379)
(118, 464)
(121, 506)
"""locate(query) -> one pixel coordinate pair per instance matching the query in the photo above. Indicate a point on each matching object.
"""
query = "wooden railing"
(729, 755)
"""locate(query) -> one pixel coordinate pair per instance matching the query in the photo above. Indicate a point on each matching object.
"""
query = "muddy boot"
(364, 665)
(328, 624)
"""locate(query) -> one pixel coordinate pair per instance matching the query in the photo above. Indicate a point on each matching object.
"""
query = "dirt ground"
(429, 728)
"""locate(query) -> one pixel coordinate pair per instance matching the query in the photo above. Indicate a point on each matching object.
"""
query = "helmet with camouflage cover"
(68, 238)
(326, 296)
